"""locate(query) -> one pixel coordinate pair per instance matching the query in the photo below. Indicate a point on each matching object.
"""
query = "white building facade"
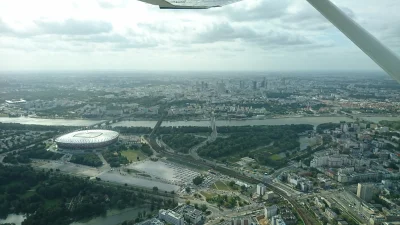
(171, 217)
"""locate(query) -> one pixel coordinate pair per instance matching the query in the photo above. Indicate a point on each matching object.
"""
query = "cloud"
(74, 27)
(106, 5)
(112, 4)
(157, 27)
(112, 42)
(261, 10)
(4, 28)
(222, 32)
(99, 38)
(285, 13)
(248, 31)
(225, 32)
(134, 44)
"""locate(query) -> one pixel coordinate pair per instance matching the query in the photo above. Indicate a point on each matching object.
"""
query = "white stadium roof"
(88, 137)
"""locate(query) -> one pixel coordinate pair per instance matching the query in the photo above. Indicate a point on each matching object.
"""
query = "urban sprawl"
(203, 148)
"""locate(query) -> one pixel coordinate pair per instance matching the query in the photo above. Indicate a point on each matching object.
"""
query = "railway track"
(305, 217)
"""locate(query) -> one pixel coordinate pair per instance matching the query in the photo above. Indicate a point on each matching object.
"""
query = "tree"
(187, 189)
(198, 180)
(187, 202)
(155, 189)
(203, 207)
(336, 210)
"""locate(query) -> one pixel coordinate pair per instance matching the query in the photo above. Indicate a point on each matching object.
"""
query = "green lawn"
(132, 155)
(275, 157)
(219, 185)
(207, 194)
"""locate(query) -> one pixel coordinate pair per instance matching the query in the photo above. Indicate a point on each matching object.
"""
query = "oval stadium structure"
(87, 139)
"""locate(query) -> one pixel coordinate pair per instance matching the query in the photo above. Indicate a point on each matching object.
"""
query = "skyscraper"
(254, 85)
(241, 84)
(263, 83)
(365, 191)
(221, 87)
(261, 189)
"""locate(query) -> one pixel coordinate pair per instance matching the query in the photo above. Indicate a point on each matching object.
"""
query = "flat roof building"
(171, 217)
(365, 191)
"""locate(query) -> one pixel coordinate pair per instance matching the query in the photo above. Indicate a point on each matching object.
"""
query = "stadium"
(87, 140)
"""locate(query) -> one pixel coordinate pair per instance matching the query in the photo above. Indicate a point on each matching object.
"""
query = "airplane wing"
(189, 4)
(380, 54)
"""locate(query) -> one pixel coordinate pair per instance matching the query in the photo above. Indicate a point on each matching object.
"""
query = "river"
(281, 121)
(48, 122)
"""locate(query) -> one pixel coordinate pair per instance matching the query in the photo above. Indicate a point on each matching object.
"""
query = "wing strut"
(381, 55)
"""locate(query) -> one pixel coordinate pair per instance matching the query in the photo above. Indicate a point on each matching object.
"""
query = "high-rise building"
(242, 221)
(261, 189)
(269, 195)
(241, 84)
(221, 87)
(270, 211)
(365, 191)
(263, 83)
(277, 220)
(254, 85)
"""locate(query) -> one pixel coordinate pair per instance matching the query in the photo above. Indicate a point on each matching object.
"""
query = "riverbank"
(261, 117)
(198, 123)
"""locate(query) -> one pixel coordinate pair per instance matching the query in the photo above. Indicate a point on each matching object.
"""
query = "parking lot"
(167, 171)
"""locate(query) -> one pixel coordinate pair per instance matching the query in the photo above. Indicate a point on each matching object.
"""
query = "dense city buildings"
(259, 149)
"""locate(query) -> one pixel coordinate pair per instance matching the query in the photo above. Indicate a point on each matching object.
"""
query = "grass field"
(132, 155)
(219, 185)
(275, 157)
(207, 194)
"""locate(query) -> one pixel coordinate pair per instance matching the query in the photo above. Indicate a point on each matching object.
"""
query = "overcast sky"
(131, 35)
